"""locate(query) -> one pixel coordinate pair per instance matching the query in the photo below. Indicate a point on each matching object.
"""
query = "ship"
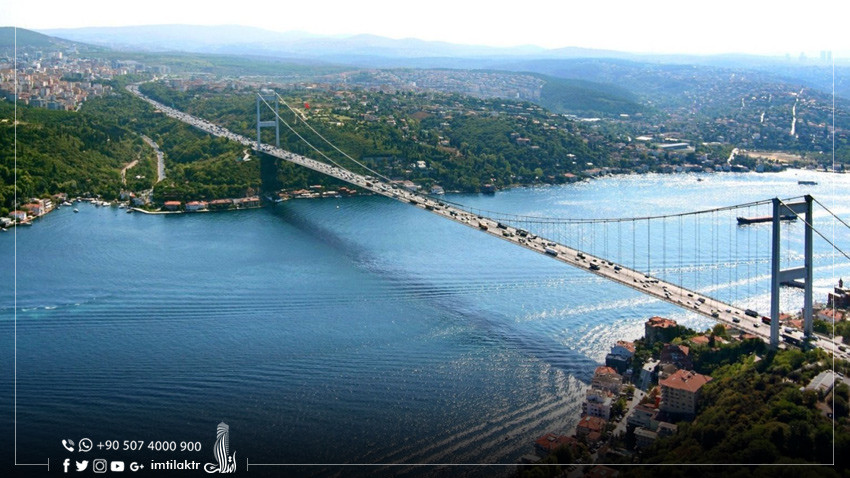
(756, 220)
(807, 183)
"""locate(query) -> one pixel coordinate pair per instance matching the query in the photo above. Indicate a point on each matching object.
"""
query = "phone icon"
(69, 445)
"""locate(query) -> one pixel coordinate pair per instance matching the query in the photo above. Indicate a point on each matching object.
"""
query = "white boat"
(76, 210)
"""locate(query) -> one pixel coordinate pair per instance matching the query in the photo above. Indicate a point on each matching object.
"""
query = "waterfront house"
(252, 201)
(34, 209)
(18, 215)
(220, 204)
(194, 206)
(172, 205)
(620, 357)
(606, 378)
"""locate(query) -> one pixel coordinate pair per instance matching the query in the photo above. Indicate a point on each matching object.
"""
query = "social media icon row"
(85, 445)
(98, 466)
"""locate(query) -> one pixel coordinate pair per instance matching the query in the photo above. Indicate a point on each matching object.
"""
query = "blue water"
(356, 330)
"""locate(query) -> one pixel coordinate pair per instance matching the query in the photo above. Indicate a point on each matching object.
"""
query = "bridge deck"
(666, 291)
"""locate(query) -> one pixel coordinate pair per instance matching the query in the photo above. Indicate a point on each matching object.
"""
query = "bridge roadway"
(660, 289)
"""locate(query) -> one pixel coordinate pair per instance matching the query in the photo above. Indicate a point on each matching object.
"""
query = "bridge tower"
(263, 97)
(268, 163)
(779, 276)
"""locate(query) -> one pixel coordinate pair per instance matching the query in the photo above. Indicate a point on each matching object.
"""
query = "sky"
(648, 26)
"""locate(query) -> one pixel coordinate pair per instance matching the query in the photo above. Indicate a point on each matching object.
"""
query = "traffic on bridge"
(744, 319)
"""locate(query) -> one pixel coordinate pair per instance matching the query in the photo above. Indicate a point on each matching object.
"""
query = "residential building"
(606, 378)
(620, 357)
(172, 205)
(659, 329)
(550, 442)
(678, 355)
(590, 428)
(220, 203)
(597, 403)
(644, 437)
(194, 206)
(642, 416)
(831, 315)
(680, 392)
(648, 375)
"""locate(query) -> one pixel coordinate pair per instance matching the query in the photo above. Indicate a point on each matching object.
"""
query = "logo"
(82, 465)
(85, 445)
(99, 466)
(69, 445)
(116, 466)
(226, 461)
(66, 464)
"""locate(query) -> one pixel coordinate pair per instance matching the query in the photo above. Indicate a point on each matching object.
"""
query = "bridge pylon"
(264, 97)
(779, 276)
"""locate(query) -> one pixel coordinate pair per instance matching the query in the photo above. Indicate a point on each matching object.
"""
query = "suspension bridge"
(609, 248)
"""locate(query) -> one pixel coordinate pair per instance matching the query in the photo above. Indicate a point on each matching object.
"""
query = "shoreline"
(30, 221)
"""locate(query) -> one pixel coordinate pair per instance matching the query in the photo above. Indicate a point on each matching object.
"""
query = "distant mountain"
(183, 38)
(231, 39)
(370, 51)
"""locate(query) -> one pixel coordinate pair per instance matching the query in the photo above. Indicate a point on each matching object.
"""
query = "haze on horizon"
(652, 26)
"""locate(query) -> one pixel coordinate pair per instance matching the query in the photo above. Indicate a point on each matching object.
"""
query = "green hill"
(27, 38)
(581, 97)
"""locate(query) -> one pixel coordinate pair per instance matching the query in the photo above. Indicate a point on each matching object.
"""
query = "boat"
(755, 220)
(76, 210)
(807, 183)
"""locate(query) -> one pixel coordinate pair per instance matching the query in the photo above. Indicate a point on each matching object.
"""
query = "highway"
(666, 291)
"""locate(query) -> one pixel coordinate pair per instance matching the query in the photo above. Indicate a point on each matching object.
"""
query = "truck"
(550, 251)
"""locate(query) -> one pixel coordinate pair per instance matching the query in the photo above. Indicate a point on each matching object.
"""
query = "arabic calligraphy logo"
(226, 461)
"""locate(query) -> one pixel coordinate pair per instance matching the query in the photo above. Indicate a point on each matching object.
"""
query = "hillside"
(26, 38)
(588, 98)
(60, 151)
